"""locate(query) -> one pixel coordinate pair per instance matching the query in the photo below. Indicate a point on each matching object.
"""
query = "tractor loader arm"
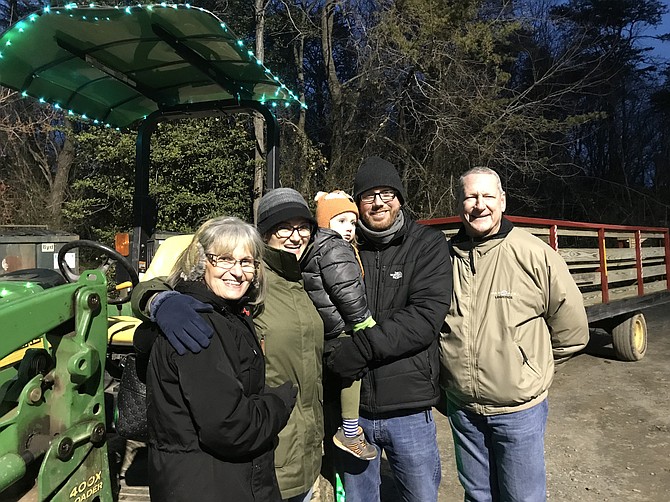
(52, 410)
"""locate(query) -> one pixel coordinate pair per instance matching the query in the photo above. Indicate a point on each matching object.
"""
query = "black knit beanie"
(376, 172)
(281, 204)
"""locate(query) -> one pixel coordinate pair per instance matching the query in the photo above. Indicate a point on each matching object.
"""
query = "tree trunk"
(298, 59)
(334, 85)
(259, 122)
(298, 54)
(60, 180)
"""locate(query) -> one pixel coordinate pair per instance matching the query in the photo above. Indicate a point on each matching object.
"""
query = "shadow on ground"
(600, 345)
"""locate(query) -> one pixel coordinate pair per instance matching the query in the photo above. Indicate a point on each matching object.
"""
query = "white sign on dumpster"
(70, 258)
(48, 247)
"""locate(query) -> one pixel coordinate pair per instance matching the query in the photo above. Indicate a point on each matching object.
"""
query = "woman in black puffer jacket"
(213, 424)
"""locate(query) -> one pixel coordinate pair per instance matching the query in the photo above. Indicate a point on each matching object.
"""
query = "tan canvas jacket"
(514, 310)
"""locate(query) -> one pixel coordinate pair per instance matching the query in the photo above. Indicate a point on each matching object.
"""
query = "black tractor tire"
(629, 338)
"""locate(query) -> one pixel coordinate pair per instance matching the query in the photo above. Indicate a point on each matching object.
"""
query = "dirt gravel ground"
(608, 435)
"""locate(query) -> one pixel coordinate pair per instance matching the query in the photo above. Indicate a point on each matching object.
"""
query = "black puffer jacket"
(212, 428)
(408, 286)
(334, 282)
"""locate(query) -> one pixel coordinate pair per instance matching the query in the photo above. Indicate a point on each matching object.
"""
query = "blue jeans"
(410, 443)
(500, 458)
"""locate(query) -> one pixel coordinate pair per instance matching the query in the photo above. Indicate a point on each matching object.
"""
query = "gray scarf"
(383, 237)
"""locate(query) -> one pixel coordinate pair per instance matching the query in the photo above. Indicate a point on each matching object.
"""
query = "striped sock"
(350, 427)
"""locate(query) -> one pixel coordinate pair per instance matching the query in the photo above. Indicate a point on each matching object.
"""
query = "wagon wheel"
(630, 338)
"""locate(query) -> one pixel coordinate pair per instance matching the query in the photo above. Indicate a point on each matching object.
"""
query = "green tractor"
(115, 67)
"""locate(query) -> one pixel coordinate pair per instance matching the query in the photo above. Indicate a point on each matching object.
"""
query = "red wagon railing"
(618, 268)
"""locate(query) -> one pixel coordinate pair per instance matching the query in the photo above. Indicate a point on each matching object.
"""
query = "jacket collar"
(200, 291)
(323, 237)
(284, 263)
(506, 227)
(462, 243)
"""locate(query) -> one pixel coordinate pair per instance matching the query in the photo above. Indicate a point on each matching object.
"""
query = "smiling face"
(231, 284)
(377, 214)
(296, 242)
(345, 225)
(482, 205)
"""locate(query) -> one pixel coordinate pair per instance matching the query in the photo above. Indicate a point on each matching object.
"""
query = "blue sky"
(661, 48)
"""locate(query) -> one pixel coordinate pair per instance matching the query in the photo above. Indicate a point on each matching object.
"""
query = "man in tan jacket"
(515, 309)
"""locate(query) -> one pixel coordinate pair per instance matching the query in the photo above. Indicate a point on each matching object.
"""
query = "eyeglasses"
(384, 195)
(228, 262)
(286, 231)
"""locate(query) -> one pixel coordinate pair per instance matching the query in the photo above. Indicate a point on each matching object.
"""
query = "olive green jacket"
(141, 294)
(292, 331)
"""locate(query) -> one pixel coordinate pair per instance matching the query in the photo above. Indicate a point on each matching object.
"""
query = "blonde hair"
(221, 236)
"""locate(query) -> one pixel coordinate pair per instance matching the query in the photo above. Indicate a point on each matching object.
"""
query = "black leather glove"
(287, 392)
(349, 358)
(177, 317)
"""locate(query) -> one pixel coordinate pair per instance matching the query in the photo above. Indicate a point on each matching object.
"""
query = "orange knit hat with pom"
(330, 204)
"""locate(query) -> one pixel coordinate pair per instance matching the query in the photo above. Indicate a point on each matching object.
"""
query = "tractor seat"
(44, 277)
(166, 256)
(122, 327)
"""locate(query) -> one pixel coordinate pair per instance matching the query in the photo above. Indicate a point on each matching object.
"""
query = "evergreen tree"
(199, 169)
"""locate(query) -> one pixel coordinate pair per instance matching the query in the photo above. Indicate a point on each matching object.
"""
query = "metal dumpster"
(33, 246)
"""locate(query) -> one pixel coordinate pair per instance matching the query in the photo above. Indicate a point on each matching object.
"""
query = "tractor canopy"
(136, 66)
(115, 66)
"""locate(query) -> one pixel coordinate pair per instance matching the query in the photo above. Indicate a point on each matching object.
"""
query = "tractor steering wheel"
(110, 256)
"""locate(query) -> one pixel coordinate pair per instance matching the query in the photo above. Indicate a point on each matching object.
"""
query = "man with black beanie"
(408, 286)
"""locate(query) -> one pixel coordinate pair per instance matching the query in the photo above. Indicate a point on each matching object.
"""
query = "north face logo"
(396, 275)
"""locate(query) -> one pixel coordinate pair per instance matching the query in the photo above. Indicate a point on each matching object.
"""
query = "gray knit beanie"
(376, 172)
(281, 204)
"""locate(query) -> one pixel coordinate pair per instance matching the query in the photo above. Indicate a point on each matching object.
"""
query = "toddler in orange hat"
(333, 278)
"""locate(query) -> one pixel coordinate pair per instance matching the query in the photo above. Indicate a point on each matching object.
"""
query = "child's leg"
(351, 437)
(350, 398)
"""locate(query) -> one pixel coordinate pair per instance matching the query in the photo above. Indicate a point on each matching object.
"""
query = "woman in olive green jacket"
(291, 332)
